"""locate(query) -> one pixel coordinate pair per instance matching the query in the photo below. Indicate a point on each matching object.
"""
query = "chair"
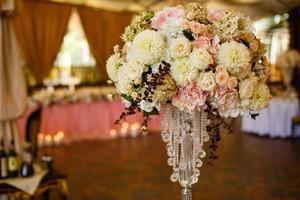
(32, 130)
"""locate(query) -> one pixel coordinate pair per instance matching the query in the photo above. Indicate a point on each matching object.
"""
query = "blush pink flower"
(190, 98)
(202, 42)
(209, 43)
(163, 16)
(225, 99)
(198, 28)
(214, 14)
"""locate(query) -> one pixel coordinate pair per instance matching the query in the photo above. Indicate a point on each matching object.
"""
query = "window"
(74, 60)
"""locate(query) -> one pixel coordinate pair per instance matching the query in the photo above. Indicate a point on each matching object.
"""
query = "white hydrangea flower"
(133, 70)
(112, 66)
(182, 72)
(148, 106)
(124, 84)
(206, 81)
(147, 47)
(234, 56)
(200, 58)
(180, 47)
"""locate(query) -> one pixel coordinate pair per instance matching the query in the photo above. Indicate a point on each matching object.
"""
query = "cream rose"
(180, 47)
(206, 81)
(232, 83)
(200, 59)
(222, 78)
(246, 88)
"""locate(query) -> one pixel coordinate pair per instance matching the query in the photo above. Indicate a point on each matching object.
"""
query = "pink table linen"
(81, 120)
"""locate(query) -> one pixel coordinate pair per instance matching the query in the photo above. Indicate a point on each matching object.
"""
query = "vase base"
(186, 193)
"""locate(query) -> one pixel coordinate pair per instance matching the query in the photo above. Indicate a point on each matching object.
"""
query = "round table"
(275, 120)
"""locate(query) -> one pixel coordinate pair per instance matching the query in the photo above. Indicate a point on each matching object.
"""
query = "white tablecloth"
(274, 121)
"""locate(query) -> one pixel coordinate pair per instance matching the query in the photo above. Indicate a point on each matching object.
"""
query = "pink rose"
(222, 78)
(232, 83)
(214, 14)
(198, 28)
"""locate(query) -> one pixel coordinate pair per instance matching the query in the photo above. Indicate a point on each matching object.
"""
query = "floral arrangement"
(289, 59)
(194, 58)
(87, 94)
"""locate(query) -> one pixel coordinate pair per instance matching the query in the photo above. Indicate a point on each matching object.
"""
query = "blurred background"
(57, 122)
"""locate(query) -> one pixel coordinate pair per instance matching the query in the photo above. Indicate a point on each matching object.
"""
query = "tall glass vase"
(184, 133)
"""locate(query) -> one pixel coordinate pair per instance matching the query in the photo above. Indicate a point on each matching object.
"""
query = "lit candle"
(124, 129)
(41, 138)
(48, 140)
(135, 129)
(113, 134)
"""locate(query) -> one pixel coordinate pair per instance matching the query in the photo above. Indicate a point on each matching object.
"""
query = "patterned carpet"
(249, 168)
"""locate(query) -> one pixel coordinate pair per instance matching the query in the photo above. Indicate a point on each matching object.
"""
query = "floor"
(249, 168)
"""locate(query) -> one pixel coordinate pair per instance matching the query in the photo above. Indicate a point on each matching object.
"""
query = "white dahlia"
(147, 47)
(234, 56)
(200, 59)
(182, 72)
(206, 81)
(112, 66)
(260, 97)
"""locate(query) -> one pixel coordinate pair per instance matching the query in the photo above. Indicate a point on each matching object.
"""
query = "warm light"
(124, 129)
(125, 125)
(60, 134)
(135, 129)
(41, 138)
(48, 140)
(113, 133)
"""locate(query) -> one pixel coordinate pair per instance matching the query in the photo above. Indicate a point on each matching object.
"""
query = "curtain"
(13, 96)
(294, 26)
(40, 29)
(103, 30)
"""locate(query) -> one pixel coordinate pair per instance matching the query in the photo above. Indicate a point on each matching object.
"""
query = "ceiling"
(254, 8)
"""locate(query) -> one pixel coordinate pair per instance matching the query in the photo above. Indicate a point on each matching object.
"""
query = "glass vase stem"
(186, 193)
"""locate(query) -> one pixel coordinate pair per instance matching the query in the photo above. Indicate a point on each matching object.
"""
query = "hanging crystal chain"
(184, 134)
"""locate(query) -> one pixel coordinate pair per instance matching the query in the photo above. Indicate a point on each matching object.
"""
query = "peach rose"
(232, 83)
(198, 28)
(220, 69)
(222, 78)
(185, 24)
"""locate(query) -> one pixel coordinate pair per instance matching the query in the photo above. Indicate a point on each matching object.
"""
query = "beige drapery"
(103, 30)
(40, 29)
(13, 95)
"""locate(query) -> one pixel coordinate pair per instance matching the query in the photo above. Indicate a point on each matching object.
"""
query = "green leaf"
(127, 97)
(153, 112)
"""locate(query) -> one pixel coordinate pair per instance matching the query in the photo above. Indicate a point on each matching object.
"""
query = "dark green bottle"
(3, 161)
(13, 162)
